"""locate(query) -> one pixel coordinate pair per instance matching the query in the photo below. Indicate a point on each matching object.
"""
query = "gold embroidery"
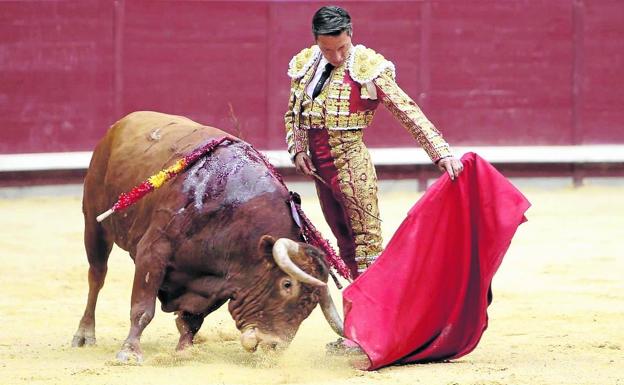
(411, 117)
(302, 61)
(301, 141)
(358, 182)
(364, 94)
(296, 137)
(366, 64)
(332, 110)
(289, 118)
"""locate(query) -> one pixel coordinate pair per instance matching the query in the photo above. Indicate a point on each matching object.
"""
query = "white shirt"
(317, 75)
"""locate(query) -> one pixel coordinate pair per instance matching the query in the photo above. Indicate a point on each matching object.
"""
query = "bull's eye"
(288, 288)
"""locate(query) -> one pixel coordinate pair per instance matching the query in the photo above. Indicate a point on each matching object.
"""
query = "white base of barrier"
(380, 156)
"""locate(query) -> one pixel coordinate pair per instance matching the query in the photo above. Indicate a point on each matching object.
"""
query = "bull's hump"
(231, 175)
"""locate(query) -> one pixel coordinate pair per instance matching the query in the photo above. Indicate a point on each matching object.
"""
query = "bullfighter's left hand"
(451, 165)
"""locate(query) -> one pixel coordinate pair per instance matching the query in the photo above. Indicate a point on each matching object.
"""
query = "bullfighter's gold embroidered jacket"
(350, 99)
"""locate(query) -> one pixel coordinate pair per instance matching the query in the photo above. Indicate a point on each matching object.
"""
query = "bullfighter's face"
(335, 48)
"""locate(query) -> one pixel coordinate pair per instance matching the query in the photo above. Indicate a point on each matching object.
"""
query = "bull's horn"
(331, 313)
(282, 249)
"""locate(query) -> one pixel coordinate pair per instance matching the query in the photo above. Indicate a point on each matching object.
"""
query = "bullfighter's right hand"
(303, 164)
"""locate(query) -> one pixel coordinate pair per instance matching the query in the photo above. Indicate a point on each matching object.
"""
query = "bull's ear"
(265, 245)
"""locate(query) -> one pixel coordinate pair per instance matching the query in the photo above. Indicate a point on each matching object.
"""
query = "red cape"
(426, 297)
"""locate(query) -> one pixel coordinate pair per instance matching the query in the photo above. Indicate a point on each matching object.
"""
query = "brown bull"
(219, 231)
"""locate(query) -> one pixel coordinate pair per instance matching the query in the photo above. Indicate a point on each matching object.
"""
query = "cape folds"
(426, 297)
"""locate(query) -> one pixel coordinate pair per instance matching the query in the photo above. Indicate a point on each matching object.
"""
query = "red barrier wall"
(513, 72)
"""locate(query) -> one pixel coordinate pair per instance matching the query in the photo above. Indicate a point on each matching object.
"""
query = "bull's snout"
(251, 338)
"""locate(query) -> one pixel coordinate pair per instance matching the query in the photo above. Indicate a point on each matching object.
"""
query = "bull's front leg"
(205, 295)
(153, 253)
(188, 325)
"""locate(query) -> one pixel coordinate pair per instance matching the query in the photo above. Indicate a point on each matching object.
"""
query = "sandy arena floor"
(557, 315)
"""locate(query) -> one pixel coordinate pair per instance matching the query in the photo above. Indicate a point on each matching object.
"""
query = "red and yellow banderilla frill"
(155, 181)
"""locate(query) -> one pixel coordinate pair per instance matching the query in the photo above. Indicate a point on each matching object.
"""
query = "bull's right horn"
(282, 250)
(331, 313)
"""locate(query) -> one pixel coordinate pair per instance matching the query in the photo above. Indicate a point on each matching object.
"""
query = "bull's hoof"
(128, 355)
(185, 341)
(80, 341)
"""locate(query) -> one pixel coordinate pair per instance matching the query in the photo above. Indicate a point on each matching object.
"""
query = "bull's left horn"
(282, 250)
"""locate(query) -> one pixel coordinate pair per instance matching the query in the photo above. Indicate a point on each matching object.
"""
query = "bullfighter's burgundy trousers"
(349, 199)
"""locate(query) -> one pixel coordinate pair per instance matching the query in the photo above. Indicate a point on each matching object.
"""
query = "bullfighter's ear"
(265, 245)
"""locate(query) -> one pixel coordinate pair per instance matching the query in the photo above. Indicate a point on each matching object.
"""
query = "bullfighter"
(335, 90)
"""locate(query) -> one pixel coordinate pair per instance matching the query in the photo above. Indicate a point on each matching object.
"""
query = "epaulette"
(365, 65)
(301, 62)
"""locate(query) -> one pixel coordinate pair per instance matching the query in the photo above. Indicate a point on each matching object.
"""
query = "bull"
(220, 231)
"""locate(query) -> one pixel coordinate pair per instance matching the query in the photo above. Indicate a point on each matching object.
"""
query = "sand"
(557, 315)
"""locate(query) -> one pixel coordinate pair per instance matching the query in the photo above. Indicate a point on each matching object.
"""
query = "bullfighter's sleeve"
(296, 138)
(411, 117)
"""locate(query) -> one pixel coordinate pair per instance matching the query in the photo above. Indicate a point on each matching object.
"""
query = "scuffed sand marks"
(557, 314)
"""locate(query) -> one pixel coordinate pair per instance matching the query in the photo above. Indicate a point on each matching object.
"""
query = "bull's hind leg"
(98, 248)
(153, 253)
